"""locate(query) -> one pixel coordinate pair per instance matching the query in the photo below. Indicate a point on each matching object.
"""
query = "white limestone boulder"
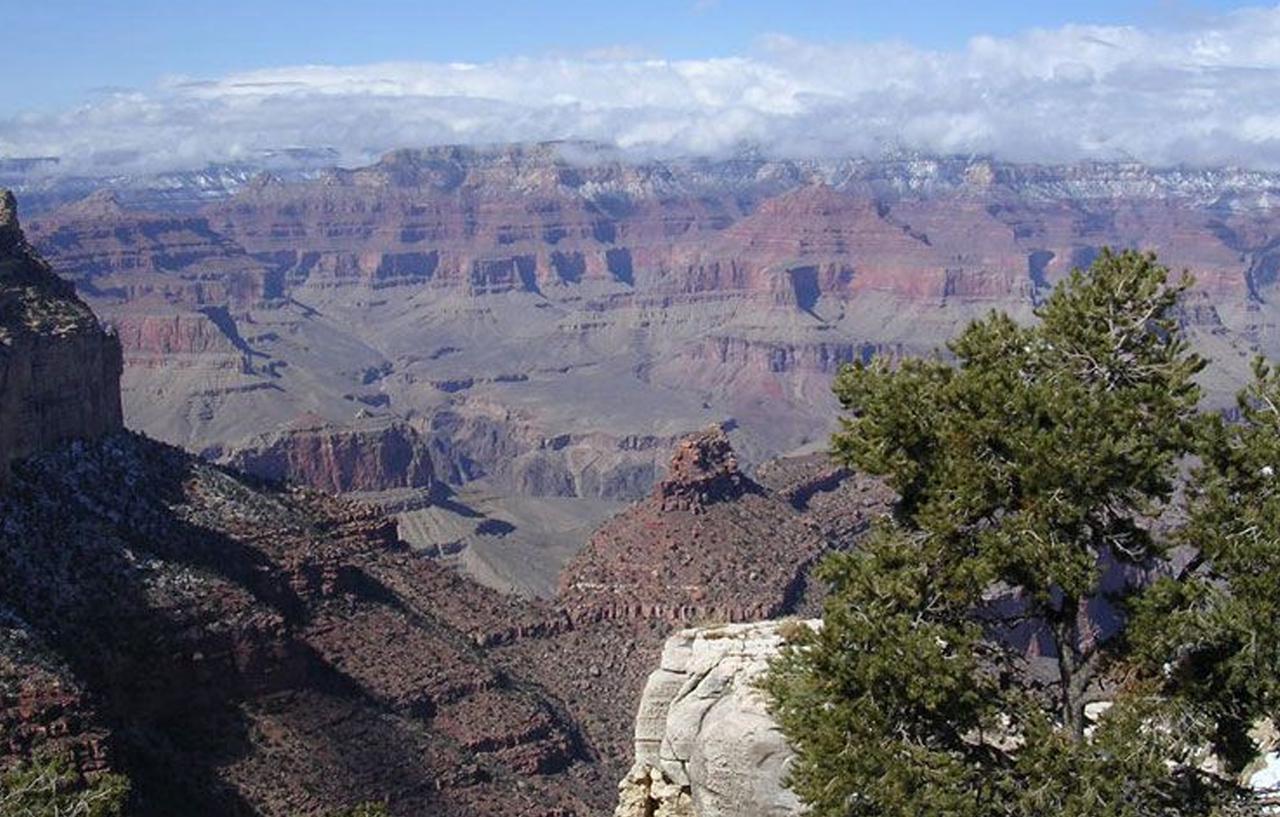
(705, 744)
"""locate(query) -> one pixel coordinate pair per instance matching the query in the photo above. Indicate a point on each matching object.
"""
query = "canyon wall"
(533, 309)
(59, 370)
(368, 455)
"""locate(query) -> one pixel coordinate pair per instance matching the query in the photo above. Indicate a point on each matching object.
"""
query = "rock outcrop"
(703, 470)
(705, 745)
(373, 454)
(746, 551)
(59, 370)
(710, 543)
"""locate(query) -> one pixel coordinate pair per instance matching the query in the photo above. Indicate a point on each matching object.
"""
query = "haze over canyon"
(534, 326)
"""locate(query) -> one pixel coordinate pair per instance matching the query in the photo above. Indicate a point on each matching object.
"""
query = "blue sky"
(62, 51)
(125, 86)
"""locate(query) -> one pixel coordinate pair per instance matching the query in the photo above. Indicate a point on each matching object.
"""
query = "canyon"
(241, 645)
(355, 427)
(541, 323)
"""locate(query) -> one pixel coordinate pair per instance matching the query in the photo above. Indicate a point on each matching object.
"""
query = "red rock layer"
(373, 456)
(710, 543)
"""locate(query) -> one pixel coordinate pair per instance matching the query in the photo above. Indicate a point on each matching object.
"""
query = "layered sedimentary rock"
(709, 543)
(162, 258)
(705, 745)
(481, 439)
(369, 455)
(471, 289)
(550, 318)
(235, 649)
(59, 370)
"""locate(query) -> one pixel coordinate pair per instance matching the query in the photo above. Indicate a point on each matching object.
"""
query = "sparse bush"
(49, 786)
(793, 630)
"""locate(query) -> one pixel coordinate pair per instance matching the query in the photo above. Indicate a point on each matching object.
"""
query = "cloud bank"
(1202, 95)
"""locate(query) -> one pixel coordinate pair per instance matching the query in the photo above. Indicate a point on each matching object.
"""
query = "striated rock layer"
(710, 543)
(536, 309)
(550, 318)
(372, 455)
(59, 371)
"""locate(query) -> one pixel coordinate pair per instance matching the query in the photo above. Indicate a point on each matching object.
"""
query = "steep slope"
(709, 544)
(245, 652)
(236, 649)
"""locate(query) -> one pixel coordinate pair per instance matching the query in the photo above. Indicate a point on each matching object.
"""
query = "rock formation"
(551, 318)
(705, 745)
(240, 648)
(59, 371)
(745, 550)
(471, 290)
(234, 649)
(710, 543)
(703, 470)
(374, 454)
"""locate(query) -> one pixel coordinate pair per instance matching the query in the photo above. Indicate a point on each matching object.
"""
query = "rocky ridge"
(59, 371)
(710, 543)
(271, 651)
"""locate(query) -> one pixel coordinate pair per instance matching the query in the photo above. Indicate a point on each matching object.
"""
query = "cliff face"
(368, 456)
(59, 371)
(705, 745)
(533, 309)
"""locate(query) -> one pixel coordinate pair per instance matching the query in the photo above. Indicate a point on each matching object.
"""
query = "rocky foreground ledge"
(705, 745)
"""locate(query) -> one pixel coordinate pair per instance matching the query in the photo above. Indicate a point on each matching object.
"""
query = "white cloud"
(1206, 94)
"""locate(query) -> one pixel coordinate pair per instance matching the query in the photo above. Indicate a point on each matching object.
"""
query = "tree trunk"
(1073, 674)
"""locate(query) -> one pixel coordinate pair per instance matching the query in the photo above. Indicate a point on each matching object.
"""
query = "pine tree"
(1030, 472)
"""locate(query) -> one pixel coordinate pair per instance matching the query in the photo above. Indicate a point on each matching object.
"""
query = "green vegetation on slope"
(49, 786)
